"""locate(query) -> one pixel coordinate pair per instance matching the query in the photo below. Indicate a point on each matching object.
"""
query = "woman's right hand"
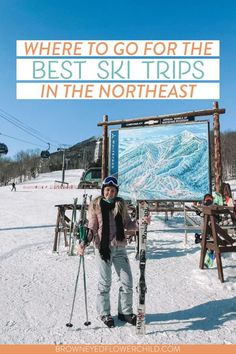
(80, 249)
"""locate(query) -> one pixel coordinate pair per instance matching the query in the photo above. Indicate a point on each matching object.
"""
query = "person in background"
(13, 187)
(208, 199)
(224, 198)
(108, 219)
(227, 194)
(218, 199)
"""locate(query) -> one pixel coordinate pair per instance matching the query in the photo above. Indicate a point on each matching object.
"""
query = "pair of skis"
(141, 256)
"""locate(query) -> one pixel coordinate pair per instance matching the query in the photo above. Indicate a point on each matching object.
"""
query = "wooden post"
(185, 227)
(217, 149)
(104, 148)
(57, 228)
(204, 241)
(60, 226)
(217, 250)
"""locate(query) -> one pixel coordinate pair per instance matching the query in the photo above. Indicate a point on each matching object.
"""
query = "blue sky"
(68, 122)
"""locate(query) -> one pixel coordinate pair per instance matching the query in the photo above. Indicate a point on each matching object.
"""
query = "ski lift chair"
(3, 149)
(45, 154)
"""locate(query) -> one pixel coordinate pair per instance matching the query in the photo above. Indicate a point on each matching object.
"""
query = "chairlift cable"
(10, 116)
(18, 126)
(24, 141)
(31, 131)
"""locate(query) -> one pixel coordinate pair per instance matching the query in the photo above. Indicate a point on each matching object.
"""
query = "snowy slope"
(184, 304)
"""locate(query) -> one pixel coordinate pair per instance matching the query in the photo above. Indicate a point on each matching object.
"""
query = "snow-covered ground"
(184, 304)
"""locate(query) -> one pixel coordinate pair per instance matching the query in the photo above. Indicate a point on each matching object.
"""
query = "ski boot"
(108, 320)
(132, 318)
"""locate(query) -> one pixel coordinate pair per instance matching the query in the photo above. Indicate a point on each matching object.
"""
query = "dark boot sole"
(121, 317)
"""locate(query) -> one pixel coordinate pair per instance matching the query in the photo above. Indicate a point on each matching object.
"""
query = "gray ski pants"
(121, 264)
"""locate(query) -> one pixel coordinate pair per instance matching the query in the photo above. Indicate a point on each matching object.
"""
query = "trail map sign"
(164, 162)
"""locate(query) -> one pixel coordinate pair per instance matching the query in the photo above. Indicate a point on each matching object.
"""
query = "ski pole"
(69, 324)
(87, 323)
(58, 241)
(72, 225)
(83, 240)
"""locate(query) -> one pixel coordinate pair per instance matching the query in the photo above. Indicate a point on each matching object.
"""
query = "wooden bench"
(63, 224)
(214, 237)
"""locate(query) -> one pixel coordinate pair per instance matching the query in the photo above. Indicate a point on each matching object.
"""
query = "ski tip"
(87, 323)
(69, 325)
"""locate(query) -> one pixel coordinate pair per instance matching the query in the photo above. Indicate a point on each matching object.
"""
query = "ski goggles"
(110, 181)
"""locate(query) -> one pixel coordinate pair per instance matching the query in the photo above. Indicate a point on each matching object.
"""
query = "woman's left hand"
(146, 219)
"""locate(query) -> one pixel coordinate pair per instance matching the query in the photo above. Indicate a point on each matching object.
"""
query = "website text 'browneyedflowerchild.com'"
(147, 348)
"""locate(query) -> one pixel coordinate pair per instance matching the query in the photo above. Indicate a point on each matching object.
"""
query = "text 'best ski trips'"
(118, 69)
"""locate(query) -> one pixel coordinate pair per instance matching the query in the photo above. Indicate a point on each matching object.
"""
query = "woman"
(108, 219)
(227, 194)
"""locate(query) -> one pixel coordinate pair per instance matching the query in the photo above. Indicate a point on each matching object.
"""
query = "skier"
(227, 194)
(108, 219)
(208, 199)
(224, 197)
(13, 185)
(229, 201)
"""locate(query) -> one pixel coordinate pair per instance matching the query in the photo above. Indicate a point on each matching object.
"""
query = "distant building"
(82, 155)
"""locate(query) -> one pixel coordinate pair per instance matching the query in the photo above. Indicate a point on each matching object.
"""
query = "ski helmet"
(110, 181)
(208, 199)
